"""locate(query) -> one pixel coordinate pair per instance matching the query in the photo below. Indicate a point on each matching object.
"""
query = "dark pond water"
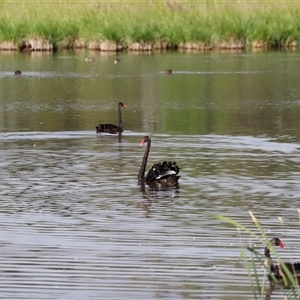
(74, 222)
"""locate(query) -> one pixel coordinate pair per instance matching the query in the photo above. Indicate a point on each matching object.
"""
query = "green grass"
(149, 21)
(257, 260)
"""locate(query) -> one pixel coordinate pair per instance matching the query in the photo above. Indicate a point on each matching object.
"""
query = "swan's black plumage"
(111, 128)
(276, 270)
(165, 172)
(162, 170)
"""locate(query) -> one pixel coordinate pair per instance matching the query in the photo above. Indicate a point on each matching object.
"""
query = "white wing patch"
(168, 173)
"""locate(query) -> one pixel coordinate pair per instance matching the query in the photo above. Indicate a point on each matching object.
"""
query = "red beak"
(142, 142)
(281, 245)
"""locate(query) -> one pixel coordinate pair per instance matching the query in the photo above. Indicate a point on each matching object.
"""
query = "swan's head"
(274, 242)
(277, 242)
(122, 104)
(144, 140)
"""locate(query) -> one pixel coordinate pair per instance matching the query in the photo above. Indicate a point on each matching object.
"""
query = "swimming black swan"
(111, 128)
(166, 172)
(277, 270)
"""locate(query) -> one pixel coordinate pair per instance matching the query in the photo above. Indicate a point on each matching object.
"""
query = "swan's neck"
(120, 118)
(141, 175)
(267, 252)
(268, 256)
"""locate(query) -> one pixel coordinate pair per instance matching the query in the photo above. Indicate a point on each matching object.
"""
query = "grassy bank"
(200, 25)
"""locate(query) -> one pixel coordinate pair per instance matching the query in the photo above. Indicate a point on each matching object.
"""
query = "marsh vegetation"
(282, 275)
(148, 25)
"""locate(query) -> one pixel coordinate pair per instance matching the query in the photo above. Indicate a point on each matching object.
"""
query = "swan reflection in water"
(269, 292)
(159, 187)
(120, 137)
(154, 192)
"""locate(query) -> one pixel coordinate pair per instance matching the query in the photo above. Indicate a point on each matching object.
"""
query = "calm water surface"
(74, 222)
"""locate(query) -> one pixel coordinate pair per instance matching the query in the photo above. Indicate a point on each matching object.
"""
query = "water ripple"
(75, 224)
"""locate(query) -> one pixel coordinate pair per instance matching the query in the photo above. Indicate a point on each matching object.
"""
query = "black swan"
(277, 270)
(111, 128)
(166, 172)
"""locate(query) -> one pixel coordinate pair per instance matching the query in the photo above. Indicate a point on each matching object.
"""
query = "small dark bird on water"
(18, 72)
(89, 59)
